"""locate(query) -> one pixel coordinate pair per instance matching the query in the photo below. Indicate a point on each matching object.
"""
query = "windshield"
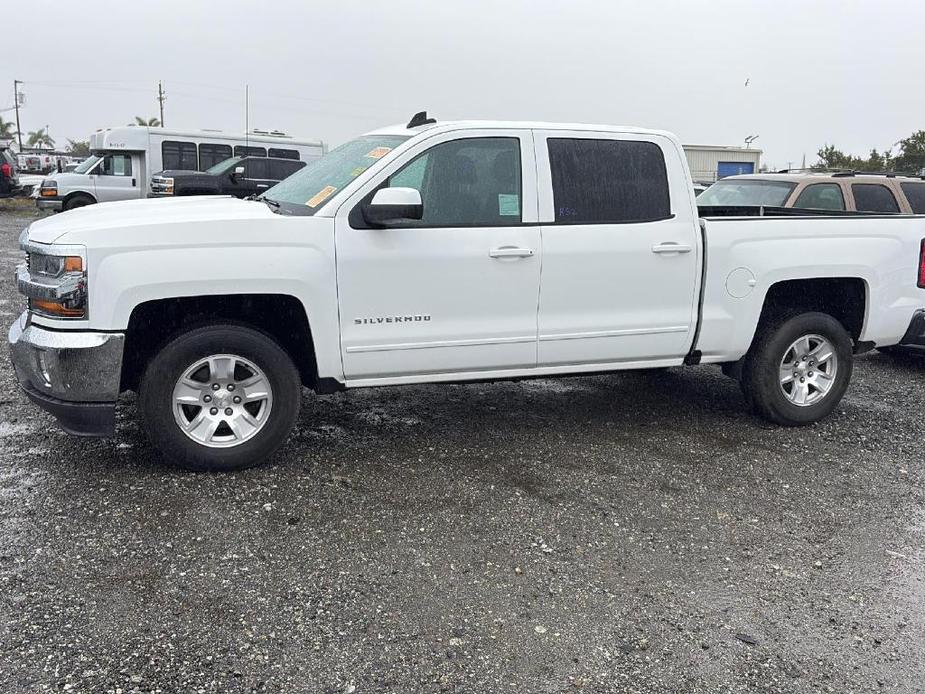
(319, 180)
(223, 165)
(746, 192)
(87, 164)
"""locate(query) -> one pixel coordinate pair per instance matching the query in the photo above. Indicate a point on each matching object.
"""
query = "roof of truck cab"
(446, 126)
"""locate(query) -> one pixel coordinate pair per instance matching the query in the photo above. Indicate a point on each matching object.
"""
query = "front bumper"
(73, 375)
(49, 203)
(915, 335)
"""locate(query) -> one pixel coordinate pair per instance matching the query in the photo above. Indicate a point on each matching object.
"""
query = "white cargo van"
(124, 159)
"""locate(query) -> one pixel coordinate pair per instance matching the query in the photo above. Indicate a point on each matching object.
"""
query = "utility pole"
(16, 84)
(161, 99)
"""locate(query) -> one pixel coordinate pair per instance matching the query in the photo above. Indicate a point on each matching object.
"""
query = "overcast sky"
(819, 71)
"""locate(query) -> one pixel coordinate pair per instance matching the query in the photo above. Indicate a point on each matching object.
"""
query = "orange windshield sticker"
(322, 195)
(379, 152)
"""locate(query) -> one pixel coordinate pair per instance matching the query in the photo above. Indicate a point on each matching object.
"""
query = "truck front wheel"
(221, 397)
(798, 368)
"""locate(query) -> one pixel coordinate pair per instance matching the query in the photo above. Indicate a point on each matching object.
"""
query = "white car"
(442, 252)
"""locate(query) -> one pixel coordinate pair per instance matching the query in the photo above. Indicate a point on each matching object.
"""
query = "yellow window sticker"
(379, 152)
(357, 171)
(322, 195)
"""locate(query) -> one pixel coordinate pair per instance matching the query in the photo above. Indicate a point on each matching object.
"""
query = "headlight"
(162, 185)
(56, 285)
(49, 189)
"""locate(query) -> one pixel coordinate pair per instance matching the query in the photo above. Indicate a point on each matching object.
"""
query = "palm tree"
(150, 122)
(40, 138)
(7, 131)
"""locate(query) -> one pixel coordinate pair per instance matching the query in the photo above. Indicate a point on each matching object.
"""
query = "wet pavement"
(625, 533)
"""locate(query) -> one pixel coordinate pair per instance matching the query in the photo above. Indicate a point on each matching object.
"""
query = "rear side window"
(284, 153)
(873, 197)
(179, 155)
(212, 154)
(256, 168)
(821, 196)
(283, 169)
(608, 181)
(242, 151)
(915, 194)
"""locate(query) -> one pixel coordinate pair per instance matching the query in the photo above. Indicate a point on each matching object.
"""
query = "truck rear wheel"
(221, 397)
(798, 368)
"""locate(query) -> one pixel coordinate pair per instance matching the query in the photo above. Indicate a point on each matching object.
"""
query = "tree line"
(909, 157)
(41, 138)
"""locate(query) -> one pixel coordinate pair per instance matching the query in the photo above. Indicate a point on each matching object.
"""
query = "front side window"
(873, 197)
(244, 151)
(821, 196)
(256, 168)
(743, 192)
(608, 181)
(179, 156)
(915, 194)
(224, 166)
(116, 165)
(284, 153)
(467, 182)
(212, 154)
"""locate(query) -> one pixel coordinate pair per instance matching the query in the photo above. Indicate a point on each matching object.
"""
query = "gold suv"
(833, 191)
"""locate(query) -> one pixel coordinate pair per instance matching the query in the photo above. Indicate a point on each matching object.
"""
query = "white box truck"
(125, 158)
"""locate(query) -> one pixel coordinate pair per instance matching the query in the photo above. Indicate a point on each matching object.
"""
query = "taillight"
(7, 170)
(922, 265)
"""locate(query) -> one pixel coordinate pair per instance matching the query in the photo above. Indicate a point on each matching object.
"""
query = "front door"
(116, 178)
(256, 179)
(455, 293)
(620, 249)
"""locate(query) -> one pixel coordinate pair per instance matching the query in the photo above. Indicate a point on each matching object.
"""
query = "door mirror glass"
(391, 206)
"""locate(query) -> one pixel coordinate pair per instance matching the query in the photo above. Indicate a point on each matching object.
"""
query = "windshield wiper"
(272, 204)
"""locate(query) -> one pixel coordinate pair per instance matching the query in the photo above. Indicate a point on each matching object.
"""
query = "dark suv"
(238, 176)
(9, 179)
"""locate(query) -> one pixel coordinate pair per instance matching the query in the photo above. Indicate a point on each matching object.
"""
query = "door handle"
(262, 185)
(133, 183)
(671, 247)
(510, 252)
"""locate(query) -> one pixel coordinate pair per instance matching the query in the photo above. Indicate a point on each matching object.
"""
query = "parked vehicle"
(834, 192)
(237, 176)
(413, 255)
(124, 160)
(9, 173)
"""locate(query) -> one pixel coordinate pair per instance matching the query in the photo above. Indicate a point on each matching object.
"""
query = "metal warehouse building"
(709, 163)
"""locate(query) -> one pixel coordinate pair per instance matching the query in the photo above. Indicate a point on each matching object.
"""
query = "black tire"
(77, 201)
(156, 406)
(761, 380)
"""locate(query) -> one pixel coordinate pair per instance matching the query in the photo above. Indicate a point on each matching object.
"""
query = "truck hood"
(78, 226)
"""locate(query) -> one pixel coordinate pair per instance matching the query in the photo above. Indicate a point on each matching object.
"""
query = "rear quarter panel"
(881, 251)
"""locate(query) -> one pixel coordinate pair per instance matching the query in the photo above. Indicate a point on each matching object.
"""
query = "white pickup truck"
(446, 252)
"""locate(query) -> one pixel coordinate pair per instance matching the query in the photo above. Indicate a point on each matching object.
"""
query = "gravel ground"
(626, 533)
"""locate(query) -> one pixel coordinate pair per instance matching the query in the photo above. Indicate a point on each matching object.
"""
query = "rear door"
(256, 178)
(283, 168)
(620, 249)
